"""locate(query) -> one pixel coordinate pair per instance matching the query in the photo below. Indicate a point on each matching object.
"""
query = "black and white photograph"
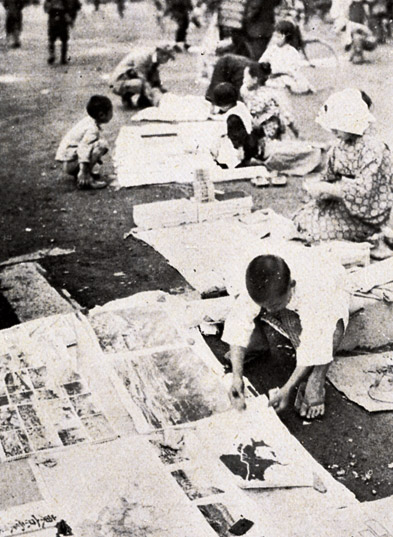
(196, 259)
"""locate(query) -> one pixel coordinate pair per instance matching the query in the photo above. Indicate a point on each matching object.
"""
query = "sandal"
(279, 180)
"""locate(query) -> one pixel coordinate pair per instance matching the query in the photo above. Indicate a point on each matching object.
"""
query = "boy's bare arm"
(236, 392)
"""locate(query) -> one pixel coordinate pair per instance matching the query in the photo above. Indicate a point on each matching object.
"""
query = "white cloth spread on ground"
(319, 298)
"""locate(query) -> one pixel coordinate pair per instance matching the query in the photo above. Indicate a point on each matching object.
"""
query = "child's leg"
(357, 48)
(100, 148)
(64, 50)
(71, 167)
(64, 42)
(51, 39)
(86, 179)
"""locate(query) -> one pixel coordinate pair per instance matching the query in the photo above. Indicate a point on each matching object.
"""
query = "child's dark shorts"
(58, 27)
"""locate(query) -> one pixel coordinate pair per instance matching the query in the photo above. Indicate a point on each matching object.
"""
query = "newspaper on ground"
(366, 379)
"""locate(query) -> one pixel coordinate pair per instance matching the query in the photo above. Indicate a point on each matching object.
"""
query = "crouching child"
(137, 77)
(83, 146)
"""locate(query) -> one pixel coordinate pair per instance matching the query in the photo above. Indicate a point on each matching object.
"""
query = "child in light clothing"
(83, 146)
(285, 61)
(357, 39)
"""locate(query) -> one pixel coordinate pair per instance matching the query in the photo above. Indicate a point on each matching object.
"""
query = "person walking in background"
(60, 18)
(179, 11)
(13, 21)
(258, 28)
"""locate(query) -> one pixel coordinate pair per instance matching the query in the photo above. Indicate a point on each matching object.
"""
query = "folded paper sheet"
(366, 379)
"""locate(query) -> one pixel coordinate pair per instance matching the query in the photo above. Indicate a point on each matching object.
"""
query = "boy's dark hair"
(98, 104)
(225, 94)
(260, 70)
(292, 33)
(366, 98)
(267, 276)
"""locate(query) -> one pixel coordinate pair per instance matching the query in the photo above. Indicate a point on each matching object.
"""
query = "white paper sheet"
(45, 401)
(354, 376)
(120, 488)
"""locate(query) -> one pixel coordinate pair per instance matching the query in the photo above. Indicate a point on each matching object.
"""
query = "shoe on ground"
(97, 184)
(51, 60)
(279, 180)
(260, 182)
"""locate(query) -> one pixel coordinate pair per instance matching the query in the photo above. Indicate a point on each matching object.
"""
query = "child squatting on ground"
(83, 147)
(304, 298)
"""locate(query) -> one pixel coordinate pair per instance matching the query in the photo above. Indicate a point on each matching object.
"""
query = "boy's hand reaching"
(278, 399)
(236, 393)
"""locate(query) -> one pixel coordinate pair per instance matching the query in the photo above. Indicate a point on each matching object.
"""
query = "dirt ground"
(39, 209)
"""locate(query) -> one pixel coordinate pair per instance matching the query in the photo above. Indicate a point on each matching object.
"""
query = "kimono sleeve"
(358, 193)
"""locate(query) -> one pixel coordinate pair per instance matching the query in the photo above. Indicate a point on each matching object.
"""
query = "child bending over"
(226, 99)
(83, 147)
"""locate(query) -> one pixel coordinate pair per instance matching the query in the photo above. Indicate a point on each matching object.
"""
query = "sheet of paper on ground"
(204, 253)
(164, 373)
(193, 458)
(38, 517)
(174, 107)
(167, 153)
(366, 379)
(45, 400)
(369, 519)
(119, 488)
(279, 503)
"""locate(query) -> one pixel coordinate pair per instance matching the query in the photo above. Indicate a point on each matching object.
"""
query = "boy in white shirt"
(83, 146)
(302, 297)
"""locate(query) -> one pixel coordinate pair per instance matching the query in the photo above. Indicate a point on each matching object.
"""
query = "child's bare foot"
(310, 400)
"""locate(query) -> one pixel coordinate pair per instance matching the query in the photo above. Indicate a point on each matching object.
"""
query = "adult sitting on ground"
(354, 199)
(257, 28)
(304, 299)
(137, 77)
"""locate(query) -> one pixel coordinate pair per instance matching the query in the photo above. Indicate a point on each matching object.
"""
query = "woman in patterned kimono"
(354, 199)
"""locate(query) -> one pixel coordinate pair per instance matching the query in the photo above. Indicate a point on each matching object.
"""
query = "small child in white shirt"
(285, 61)
(83, 146)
